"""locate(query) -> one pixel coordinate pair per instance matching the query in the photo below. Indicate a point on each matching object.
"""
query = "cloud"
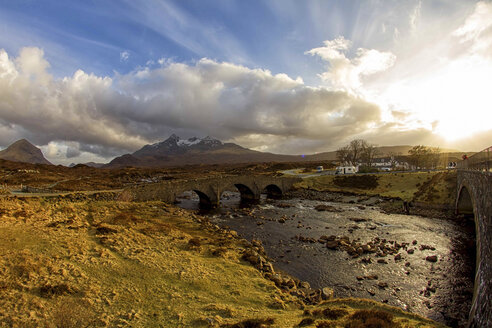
(476, 31)
(73, 152)
(47, 109)
(415, 16)
(124, 55)
(400, 115)
(345, 73)
(86, 117)
(107, 116)
(229, 101)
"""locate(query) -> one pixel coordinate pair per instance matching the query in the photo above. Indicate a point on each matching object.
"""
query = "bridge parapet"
(481, 161)
(474, 196)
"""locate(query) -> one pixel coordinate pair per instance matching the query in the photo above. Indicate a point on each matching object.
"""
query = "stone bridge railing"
(474, 197)
(210, 189)
(481, 161)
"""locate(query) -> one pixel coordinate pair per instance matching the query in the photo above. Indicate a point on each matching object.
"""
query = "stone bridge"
(474, 198)
(210, 189)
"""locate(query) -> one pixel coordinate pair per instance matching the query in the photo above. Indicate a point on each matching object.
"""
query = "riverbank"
(430, 194)
(98, 263)
(387, 204)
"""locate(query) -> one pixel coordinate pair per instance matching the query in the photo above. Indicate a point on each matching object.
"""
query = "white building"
(347, 170)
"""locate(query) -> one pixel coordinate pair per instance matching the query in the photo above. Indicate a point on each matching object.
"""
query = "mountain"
(175, 151)
(23, 151)
(90, 164)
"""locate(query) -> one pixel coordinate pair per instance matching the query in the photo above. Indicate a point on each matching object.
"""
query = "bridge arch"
(205, 200)
(273, 191)
(247, 193)
(465, 207)
(465, 202)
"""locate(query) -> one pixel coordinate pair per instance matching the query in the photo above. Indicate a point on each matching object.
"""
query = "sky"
(91, 80)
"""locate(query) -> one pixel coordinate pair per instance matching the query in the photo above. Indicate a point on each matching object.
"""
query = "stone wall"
(35, 190)
(475, 192)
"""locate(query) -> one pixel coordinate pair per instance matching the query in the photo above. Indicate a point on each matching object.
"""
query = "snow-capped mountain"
(174, 145)
(177, 151)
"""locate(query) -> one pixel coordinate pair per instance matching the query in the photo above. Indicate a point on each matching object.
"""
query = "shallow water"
(441, 291)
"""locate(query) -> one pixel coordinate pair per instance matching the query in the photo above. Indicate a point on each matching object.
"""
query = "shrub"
(306, 322)
(371, 319)
(334, 314)
(48, 291)
(325, 324)
(251, 323)
(357, 181)
(72, 313)
(194, 242)
(123, 218)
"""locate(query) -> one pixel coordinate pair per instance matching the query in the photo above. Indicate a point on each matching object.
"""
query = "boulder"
(382, 285)
(327, 293)
(304, 284)
(328, 208)
(332, 244)
(431, 258)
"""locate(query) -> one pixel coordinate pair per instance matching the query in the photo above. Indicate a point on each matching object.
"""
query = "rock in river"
(431, 258)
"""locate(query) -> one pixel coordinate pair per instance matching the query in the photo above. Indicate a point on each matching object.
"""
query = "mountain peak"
(173, 137)
(22, 142)
(208, 140)
(189, 142)
(174, 145)
(175, 140)
(23, 151)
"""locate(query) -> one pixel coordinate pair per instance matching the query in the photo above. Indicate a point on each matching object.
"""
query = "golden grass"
(405, 186)
(110, 264)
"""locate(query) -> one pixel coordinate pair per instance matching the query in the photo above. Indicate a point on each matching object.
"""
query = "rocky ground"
(90, 261)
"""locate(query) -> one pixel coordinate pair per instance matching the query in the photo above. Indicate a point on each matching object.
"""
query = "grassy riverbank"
(433, 188)
(86, 263)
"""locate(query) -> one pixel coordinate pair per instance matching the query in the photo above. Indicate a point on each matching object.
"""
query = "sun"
(464, 99)
(455, 100)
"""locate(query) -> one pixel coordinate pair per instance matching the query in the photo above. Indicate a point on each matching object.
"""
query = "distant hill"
(383, 151)
(90, 164)
(175, 151)
(23, 151)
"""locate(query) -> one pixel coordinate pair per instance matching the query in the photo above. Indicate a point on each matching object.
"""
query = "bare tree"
(424, 157)
(343, 154)
(434, 157)
(357, 151)
(416, 156)
(394, 158)
(369, 154)
(356, 148)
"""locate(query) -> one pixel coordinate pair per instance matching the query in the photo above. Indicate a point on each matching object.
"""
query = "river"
(398, 269)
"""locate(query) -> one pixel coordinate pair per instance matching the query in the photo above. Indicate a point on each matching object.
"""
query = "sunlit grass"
(98, 263)
(412, 186)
